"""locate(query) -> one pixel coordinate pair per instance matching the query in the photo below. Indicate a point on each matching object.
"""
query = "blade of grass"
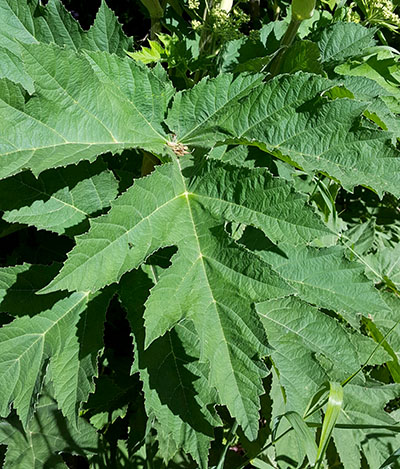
(315, 407)
(335, 402)
(304, 435)
(376, 334)
(391, 459)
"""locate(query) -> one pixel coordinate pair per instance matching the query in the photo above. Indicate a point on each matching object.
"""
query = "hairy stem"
(156, 12)
(286, 41)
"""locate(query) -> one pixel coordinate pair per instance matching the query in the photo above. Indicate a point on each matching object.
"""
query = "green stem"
(231, 437)
(156, 12)
(286, 42)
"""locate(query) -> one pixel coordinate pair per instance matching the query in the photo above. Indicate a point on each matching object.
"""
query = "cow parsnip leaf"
(343, 40)
(177, 396)
(364, 427)
(73, 370)
(384, 71)
(163, 199)
(30, 23)
(60, 198)
(290, 446)
(198, 115)
(289, 118)
(323, 277)
(57, 25)
(297, 333)
(74, 364)
(46, 436)
(194, 113)
(212, 280)
(385, 264)
(389, 321)
(18, 287)
(26, 343)
(11, 67)
(135, 82)
(17, 24)
(73, 115)
(62, 336)
(378, 110)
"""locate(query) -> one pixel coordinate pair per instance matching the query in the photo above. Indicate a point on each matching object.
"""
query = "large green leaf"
(17, 23)
(73, 115)
(175, 384)
(56, 24)
(289, 118)
(29, 23)
(298, 333)
(69, 336)
(162, 202)
(135, 82)
(194, 114)
(343, 40)
(74, 364)
(11, 67)
(365, 427)
(60, 198)
(385, 265)
(384, 70)
(46, 436)
(212, 280)
(26, 343)
(323, 277)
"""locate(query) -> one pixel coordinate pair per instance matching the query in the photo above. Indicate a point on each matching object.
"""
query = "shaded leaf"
(58, 199)
(363, 425)
(46, 436)
(175, 384)
(26, 343)
(288, 117)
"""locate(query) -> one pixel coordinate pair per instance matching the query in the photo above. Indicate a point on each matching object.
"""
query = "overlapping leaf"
(73, 115)
(26, 343)
(212, 280)
(385, 266)
(364, 426)
(46, 436)
(56, 24)
(68, 335)
(194, 115)
(343, 40)
(174, 382)
(383, 70)
(11, 67)
(323, 277)
(288, 117)
(298, 334)
(59, 199)
(29, 23)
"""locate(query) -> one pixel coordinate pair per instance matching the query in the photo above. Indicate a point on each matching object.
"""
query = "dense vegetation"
(200, 226)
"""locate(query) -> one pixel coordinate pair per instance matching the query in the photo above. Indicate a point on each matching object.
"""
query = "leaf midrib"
(213, 300)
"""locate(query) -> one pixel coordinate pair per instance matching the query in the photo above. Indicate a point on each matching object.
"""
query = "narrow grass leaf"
(304, 435)
(335, 402)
